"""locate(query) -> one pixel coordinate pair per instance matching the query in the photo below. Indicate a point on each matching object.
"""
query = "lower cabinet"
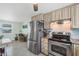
(44, 46)
(76, 50)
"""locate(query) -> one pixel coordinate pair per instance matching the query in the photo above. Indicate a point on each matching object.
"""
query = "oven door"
(59, 49)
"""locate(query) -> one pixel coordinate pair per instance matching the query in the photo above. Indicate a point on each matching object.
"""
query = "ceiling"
(20, 12)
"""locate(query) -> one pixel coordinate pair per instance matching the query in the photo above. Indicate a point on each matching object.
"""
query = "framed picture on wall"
(24, 26)
(6, 28)
(6, 25)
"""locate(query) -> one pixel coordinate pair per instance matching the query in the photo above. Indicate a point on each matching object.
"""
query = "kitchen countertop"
(75, 41)
(4, 42)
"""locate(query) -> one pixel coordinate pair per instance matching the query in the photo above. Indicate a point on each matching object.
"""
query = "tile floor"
(19, 49)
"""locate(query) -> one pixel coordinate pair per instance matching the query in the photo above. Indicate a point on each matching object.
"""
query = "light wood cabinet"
(57, 15)
(33, 18)
(73, 14)
(53, 16)
(37, 17)
(65, 13)
(61, 16)
(77, 16)
(76, 50)
(47, 19)
(40, 17)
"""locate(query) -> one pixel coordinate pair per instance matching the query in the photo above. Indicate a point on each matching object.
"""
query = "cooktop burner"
(61, 37)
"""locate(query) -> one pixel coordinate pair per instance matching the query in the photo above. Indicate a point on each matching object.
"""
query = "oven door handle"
(67, 44)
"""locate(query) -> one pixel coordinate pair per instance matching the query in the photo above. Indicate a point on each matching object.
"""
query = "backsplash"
(65, 27)
(75, 33)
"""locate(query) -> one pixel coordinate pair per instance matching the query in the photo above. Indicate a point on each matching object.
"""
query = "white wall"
(16, 28)
(27, 31)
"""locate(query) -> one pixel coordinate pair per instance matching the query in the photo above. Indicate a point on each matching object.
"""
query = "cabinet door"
(76, 50)
(40, 17)
(33, 18)
(73, 14)
(65, 13)
(47, 19)
(46, 24)
(37, 17)
(53, 16)
(61, 12)
(57, 15)
(77, 16)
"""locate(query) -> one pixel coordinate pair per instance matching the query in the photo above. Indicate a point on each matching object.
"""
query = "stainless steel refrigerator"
(35, 36)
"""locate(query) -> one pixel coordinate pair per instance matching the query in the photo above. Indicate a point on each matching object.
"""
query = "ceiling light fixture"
(35, 7)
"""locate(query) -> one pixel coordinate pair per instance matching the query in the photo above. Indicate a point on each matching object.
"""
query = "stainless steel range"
(60, 44)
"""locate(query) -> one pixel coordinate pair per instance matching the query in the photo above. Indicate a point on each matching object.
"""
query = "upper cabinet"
(34, 18)
(57, 15)
(73, 14)
(53, 15)
(77, 16)
(66, 13)
(37, 17)
(47, 19)
(62, 13)
(40, 17)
